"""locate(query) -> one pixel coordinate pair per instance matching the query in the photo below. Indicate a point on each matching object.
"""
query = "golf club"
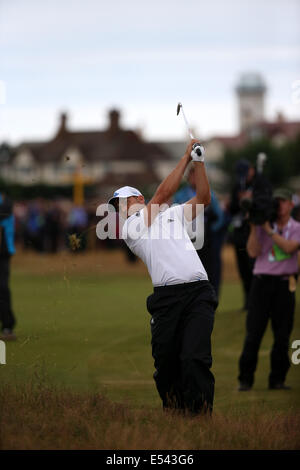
(196, 147)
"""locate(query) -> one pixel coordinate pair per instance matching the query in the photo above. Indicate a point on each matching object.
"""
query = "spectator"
(272, 294)
(77, 226)
(7, 249)
(239, 227)
(52, 227)
(35, 227)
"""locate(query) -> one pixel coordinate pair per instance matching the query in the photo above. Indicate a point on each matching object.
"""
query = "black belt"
(176, 287)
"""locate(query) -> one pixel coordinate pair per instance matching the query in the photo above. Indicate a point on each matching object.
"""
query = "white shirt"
(164, 247)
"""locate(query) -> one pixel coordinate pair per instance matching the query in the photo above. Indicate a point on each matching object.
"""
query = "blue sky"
(85, 57)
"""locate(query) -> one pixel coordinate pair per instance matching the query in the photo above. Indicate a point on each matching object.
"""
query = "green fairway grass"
(92, 333)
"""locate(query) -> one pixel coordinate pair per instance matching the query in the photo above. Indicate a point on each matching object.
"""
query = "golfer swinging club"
(183, 302)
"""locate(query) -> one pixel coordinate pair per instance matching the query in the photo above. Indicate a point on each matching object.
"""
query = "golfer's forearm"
(253, 245)
(202, 185)
(171, 183)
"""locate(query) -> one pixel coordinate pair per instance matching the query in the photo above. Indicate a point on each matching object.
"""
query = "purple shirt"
(266, 262)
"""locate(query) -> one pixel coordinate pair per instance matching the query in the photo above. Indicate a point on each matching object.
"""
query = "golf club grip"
(197, 149)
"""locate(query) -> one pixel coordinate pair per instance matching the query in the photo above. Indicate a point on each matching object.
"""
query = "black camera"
(262, 208)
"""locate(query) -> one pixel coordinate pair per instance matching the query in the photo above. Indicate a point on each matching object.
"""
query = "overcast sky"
(85, 57)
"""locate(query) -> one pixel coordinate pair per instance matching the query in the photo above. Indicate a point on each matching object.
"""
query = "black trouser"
(181, 326)
(6, 315)
(269, 298)
(245, 268)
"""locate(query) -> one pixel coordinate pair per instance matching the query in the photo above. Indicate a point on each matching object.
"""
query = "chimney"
(62, 129)
(114, 118)
(280, 117)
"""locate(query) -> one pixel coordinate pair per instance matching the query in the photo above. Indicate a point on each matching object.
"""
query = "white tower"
(251, 91)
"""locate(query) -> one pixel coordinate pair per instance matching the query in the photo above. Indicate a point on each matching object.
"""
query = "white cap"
(124, 192)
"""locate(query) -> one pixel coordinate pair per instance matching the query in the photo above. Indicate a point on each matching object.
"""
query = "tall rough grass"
(42, 417)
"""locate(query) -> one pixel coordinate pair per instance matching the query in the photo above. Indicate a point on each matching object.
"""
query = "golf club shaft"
(187, 124)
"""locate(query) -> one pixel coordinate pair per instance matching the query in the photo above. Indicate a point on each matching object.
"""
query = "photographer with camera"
(272, 296)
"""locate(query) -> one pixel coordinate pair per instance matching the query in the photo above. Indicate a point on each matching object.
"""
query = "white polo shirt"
(165, 247)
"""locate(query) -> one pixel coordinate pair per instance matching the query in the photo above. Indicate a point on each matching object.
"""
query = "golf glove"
(197, 153)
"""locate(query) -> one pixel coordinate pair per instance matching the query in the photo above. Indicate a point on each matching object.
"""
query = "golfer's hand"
(190, 148)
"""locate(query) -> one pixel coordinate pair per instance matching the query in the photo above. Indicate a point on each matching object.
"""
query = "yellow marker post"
(79, 180)
(78, 188)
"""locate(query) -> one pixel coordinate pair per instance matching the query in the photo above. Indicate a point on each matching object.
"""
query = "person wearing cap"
(272, 294)
(183, 301)
(7, 249)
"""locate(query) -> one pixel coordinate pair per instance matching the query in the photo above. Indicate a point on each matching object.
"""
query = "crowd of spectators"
(45, 226)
